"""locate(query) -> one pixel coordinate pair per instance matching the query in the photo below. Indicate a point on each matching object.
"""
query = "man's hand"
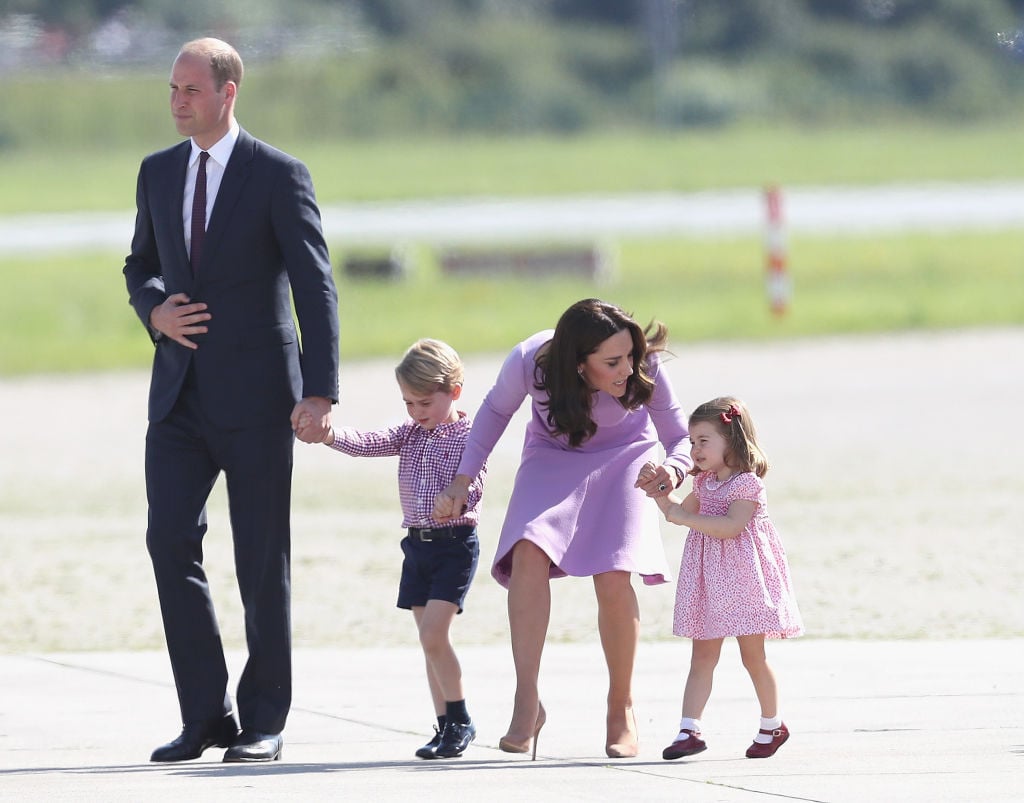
(311, 419)
(177, 317)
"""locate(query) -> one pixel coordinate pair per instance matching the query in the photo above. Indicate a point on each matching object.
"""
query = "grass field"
(879, 514)
(703, 289)
(104, 179)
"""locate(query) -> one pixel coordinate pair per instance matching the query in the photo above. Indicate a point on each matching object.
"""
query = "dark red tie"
(199, 213)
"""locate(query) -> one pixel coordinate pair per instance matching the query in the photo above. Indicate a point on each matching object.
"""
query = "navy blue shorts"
(440, 568)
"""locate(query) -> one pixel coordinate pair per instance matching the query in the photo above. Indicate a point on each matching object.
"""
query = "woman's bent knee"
(527, 556)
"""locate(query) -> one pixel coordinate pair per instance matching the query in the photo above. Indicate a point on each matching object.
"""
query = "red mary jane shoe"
(689, 746)
(779, 736)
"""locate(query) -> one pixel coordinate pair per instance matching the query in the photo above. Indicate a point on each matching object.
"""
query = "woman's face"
(610, 365)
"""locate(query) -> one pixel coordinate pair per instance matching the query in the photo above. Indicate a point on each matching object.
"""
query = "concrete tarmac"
(870, 720)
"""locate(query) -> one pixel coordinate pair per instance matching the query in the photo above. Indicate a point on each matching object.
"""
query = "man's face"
(199, 109)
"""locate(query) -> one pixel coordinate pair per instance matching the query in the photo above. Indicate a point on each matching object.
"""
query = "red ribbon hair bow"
(730, 414)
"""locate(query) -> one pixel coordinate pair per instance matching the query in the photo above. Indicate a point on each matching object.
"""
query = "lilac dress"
(579, 504)
(735, 586)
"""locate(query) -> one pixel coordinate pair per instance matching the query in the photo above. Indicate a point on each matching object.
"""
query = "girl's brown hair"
(730, 417)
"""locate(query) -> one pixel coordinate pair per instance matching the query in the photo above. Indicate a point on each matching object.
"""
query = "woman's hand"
(451, 502)
(655, 481)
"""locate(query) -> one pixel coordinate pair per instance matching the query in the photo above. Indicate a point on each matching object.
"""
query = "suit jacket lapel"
(176, 200)
(235, 174)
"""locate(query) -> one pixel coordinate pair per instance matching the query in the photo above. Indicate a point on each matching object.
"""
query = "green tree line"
(367, 68)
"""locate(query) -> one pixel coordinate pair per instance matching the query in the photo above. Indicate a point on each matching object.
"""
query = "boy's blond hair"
(429, 366)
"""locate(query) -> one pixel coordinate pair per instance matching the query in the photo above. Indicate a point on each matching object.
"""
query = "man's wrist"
(155, 333)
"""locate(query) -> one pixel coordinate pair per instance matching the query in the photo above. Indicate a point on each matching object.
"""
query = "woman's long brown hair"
(580, 332)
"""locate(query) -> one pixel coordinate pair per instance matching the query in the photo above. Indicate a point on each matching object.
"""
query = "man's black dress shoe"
(255, 746)
(455, 738)
(429, 750)
(196, 737)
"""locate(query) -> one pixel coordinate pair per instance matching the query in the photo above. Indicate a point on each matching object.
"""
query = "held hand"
(306, 420)
(176, 318)
(655, 481)
(311, 419)
(451, 502)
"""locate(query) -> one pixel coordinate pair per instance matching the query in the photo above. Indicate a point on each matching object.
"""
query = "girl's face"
(433, 408)
(708, 449)
(610, 365)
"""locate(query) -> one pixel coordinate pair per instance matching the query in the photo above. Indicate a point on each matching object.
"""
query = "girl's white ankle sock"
(768, 724)
(688, 723)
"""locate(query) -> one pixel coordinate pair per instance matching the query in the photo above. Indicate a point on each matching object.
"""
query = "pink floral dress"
(735, 586)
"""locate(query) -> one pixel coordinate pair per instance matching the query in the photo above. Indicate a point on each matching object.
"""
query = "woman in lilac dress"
(601, 405)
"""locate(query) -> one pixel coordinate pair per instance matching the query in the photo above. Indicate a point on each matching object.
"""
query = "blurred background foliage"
(365, 68)
(396, 99)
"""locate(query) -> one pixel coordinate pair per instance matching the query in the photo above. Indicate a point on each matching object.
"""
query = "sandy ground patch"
(894, 485)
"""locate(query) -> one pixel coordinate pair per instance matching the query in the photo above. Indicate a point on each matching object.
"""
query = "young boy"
(440, 560)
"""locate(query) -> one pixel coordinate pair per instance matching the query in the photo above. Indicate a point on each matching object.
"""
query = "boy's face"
(433, 408)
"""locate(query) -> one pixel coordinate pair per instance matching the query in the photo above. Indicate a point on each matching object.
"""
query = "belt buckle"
(425, 535)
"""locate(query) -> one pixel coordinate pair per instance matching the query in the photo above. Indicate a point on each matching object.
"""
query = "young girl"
(440, 559)
(734, 579)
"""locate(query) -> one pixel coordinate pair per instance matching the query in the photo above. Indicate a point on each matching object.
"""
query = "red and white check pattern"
(427, 462)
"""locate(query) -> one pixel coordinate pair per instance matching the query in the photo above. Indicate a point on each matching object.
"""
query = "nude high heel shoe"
(627, 745)
(510, 745)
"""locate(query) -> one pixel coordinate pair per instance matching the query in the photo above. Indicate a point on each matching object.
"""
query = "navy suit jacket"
(264, 236)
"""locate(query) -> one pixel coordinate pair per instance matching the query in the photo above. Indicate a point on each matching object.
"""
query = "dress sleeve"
(669, 419)
(499, 405)
(750, 487)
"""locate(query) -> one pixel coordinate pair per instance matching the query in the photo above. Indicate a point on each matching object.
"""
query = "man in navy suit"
(230, 380)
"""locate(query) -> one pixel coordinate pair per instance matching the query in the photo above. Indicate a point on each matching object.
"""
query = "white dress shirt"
(219, 155)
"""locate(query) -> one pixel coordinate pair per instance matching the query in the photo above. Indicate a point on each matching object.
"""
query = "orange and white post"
(778, 281)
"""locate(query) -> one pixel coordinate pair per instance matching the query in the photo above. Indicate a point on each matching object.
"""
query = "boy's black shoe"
(455, 738)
